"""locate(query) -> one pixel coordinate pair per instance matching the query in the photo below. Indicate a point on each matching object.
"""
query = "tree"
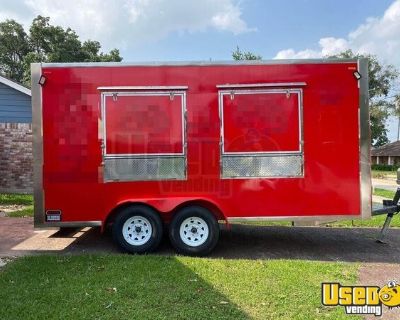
(244, 55)
(13, 48)
(383, 100)
(91, 50)
(44, 43)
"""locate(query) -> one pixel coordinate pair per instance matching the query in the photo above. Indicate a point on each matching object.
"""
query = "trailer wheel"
(138, 229)
(194, 231)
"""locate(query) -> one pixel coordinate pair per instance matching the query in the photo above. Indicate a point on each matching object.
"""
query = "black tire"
(148, 214)
(194, 212)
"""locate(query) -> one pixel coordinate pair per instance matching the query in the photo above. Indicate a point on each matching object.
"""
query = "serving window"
(261, 132)
(144, 134)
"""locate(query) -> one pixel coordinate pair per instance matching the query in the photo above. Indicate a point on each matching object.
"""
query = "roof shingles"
(390, 149)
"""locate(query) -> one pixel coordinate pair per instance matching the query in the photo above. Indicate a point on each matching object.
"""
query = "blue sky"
(211, 29)
(280, 24)
(162, 30)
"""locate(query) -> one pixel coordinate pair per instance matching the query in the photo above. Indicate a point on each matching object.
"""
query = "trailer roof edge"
(198, 63)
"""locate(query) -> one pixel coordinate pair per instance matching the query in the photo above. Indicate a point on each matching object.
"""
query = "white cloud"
(157, 18)
(17, 10)
(291, 54)
(128, 22)
(91, 19)
(330, 46)
(379, 35)
(229, 19)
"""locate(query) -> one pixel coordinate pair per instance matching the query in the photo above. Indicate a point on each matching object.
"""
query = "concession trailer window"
(143, 130)
(261, 131)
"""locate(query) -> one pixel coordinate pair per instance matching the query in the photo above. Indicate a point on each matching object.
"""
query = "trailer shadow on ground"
(309, 243)
(241, 242)
(264, 242)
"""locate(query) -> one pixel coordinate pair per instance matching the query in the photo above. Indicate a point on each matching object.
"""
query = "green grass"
(374, 222)
(26, 212)
(384, 193)
(13, 198)
(9, 199)
(161, 287)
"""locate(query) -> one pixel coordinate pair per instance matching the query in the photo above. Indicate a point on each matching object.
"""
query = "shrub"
(384, 167)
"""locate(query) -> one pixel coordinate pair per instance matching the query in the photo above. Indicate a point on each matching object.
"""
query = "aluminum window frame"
(166, 93)
(297, 91)
(150, 91)
(247, 90)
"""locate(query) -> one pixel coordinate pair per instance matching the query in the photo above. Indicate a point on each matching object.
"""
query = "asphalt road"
(387, 184)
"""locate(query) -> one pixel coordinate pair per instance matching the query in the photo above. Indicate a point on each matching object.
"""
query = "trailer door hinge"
(115, 96)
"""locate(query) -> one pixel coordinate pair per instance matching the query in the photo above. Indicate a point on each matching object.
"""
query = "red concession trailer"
(185, 145)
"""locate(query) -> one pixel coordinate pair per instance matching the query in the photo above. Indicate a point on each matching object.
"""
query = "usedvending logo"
(361, 299)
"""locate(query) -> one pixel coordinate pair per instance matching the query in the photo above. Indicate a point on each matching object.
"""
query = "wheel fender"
(166, 206)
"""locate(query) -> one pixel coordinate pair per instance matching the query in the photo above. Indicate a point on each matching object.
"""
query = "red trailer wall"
(72, 171)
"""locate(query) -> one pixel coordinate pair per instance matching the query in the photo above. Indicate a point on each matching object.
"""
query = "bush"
(384, 167)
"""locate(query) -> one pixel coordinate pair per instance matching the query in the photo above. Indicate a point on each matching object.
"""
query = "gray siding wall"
(15, 106)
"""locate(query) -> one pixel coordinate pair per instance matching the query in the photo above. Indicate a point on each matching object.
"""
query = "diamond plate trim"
(144, 169)
(250, 166)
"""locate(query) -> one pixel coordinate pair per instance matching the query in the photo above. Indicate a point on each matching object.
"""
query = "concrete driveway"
(17, 237)
(387, 184)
